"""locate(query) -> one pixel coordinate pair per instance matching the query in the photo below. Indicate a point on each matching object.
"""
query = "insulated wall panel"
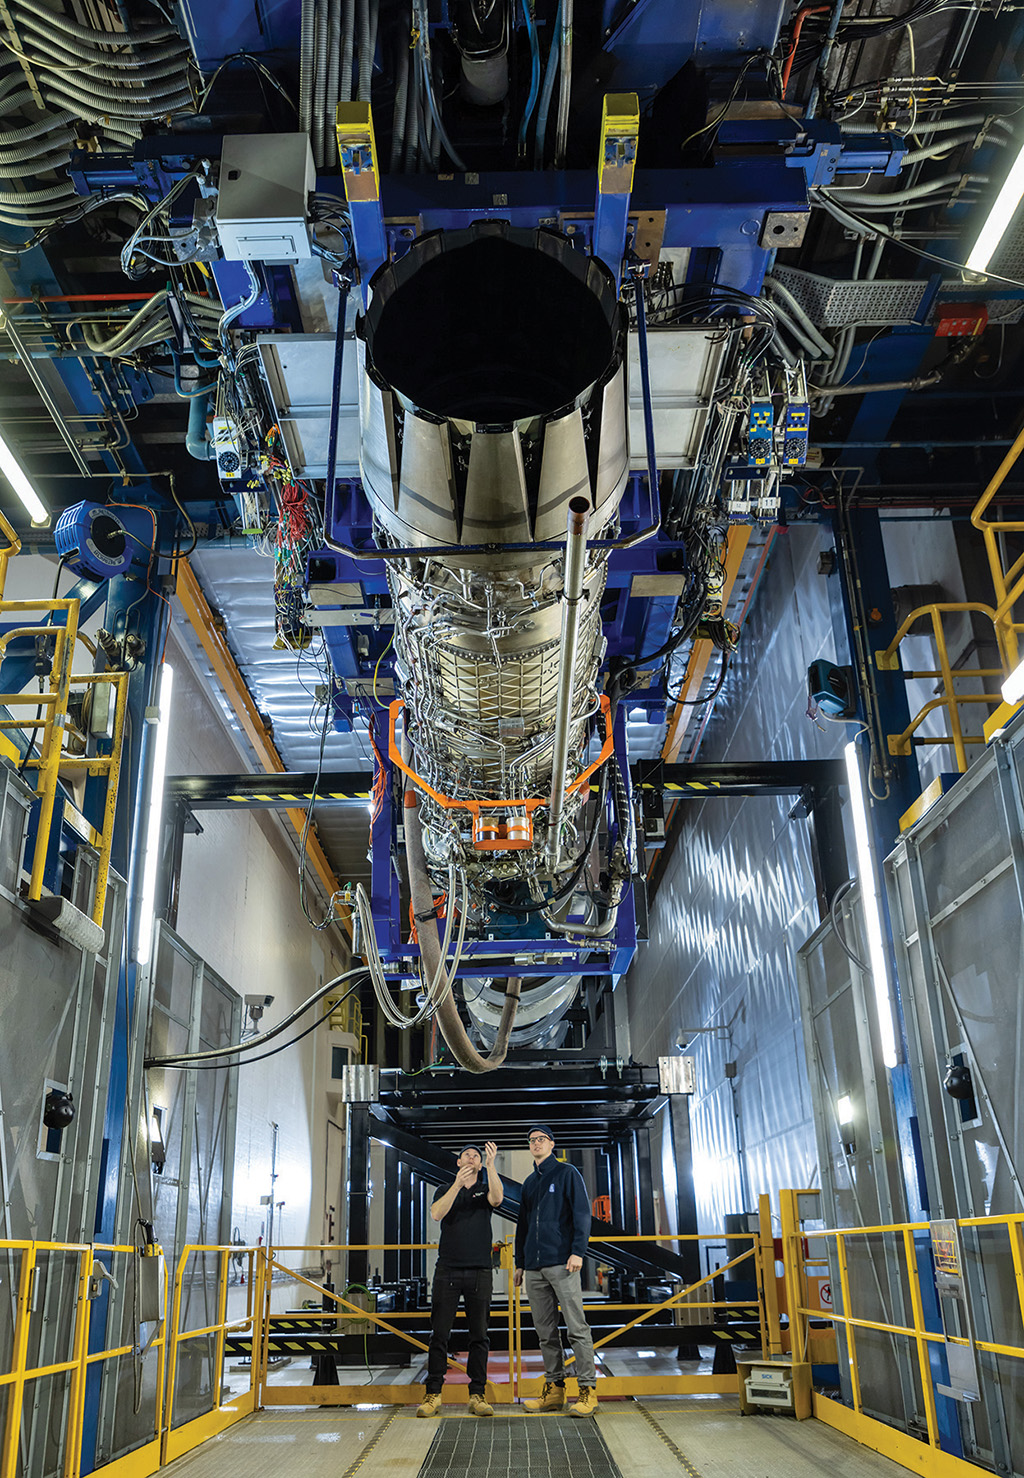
(734, 902)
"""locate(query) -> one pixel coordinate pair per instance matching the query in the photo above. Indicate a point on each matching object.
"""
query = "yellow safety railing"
(888, 661)
(177, 1440)
(345, 1312)
(10, 547)
(857, 1423)
(1008, 591)
(53, 763)
(33, 1258)
(1008, 584)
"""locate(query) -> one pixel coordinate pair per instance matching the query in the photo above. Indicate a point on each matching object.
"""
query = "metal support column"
(644, 1183)
(405, 1219)
(392, 1214)
(357, 1177)
(620, 126)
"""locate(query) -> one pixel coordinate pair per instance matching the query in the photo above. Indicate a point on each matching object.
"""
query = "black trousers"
(473, 1285)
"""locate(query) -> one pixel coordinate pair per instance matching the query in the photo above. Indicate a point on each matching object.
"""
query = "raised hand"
(490, 1152)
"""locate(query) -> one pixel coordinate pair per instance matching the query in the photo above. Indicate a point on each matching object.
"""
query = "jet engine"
(494, 453)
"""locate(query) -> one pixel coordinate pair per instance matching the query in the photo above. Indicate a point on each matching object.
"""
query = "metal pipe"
(565, 86)
(43, 391)
(577, 526)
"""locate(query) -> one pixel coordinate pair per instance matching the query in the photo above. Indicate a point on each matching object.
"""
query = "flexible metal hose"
(365, 59)
(320, 81)
(401, 107)
(903, 197)
(99, 38)
(306, 65)
(348, 36)
(333, 77)
(448, 1018)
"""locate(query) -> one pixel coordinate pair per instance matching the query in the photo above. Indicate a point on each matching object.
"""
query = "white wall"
(239, 910)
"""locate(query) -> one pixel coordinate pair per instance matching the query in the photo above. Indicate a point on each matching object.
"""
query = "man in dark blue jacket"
(551, 1239)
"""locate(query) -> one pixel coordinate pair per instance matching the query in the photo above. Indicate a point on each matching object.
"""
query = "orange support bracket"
(515, 834)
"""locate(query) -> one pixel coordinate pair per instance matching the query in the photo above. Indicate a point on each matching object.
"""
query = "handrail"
(21, 1374)
(52, 763)
(888, 661)
(7, 551)
(922, 1337)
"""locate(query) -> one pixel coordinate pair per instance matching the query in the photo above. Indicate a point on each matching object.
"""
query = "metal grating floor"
(513, 1446)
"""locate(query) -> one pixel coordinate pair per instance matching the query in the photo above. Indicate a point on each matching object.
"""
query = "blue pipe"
(548, 89)
(531, 100)
(179, 389)
(196, 442)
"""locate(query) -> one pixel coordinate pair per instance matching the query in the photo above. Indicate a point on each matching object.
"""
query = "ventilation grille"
(557, 1446)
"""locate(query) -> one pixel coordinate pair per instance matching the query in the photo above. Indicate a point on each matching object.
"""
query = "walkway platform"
(699, 1438)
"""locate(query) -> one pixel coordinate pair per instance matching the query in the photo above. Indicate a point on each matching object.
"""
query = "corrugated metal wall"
(736, 901)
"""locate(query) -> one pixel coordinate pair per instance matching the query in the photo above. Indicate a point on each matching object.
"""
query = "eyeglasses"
(540, 1139)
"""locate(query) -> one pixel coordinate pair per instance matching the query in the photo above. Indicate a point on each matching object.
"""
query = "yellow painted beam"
(924, 803)
(620, 128)
(998, 721)
(211, 637)
(700, 653)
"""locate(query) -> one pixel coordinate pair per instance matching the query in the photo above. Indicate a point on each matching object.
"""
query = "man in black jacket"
(551, 1239)
(463, 1271)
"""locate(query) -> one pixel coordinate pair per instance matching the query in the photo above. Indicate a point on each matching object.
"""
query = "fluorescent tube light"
(18, 479)
(844, 1109)
(871, 904)
(999, 217)
(154, 819)
(1013, 688)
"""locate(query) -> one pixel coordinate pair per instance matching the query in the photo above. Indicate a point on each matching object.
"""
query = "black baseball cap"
(471, 1146)
(542, 1129)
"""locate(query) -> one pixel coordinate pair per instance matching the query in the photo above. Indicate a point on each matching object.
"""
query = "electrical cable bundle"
(213, 1058)
(115, 80)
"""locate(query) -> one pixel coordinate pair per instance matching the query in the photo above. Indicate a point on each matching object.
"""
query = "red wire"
(798, 26)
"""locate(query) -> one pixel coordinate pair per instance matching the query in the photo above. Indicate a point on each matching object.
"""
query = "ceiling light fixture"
(160, 720)
(20, 485)
(999, 217)
(1013, 688)
(872, 907)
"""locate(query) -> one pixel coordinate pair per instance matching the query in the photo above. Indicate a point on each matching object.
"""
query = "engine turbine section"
(493, 447)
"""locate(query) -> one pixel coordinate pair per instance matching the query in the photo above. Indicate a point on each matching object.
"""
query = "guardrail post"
(772, 1345)
(19, 1353)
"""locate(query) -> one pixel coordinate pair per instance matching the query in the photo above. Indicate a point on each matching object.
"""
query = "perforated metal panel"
(835, 303)
(956, 885)
(506, 1447)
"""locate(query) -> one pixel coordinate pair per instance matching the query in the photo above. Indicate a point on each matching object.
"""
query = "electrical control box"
(795, 430)
(760, 432)
(263, 201)
(768, 1385)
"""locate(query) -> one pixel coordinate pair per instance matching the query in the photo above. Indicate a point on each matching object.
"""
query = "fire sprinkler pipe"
(577, 527)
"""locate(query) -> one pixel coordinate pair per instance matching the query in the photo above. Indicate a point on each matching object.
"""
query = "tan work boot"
(552, 1398)
(430, 1405)
(479, 1407)
(587, 1404)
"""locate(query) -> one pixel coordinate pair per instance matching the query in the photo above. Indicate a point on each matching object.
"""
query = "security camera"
(256, 1005)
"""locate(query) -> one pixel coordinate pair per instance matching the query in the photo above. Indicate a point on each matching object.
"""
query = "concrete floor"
(701, 1438)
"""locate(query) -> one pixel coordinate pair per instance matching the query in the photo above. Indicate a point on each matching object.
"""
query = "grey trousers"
(547, 1288)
